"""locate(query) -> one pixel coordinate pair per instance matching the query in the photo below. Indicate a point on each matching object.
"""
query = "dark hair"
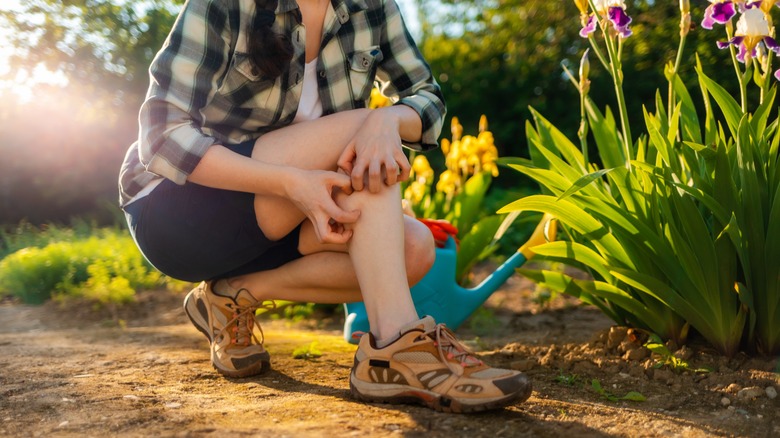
(269, 51)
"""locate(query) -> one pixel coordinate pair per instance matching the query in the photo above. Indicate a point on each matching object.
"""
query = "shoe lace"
(241, 326)
(451, 349)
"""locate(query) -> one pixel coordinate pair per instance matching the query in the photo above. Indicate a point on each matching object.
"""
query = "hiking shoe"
(228, 320)
(428, 365)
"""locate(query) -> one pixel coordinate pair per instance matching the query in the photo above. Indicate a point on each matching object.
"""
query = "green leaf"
(605, 132)
(584, 181)
(689, 120)
(730, 108)
(475, 245)
(468, 203)
(634, 396)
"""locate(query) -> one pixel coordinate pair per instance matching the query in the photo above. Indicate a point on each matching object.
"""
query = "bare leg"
(382, 246)
(326, 275)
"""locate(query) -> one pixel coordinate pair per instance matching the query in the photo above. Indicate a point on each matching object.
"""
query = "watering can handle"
(546, 231)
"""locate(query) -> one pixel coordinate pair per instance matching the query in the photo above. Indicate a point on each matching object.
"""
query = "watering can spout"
(545, 231)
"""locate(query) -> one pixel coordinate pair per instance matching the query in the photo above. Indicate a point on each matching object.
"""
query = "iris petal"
(771, 44)
(589, 27)
(722, 12)
(620, 20)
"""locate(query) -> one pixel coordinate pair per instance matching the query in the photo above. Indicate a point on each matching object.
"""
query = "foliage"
(62, 145)
(567, 379)
(104, 267)
(681, 228)
(630, 396)
(103, 44)
(656, 345)
(499, 58)
(458, 195)
(309, 351)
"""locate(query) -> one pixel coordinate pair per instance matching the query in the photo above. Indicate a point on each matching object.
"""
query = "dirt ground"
(143, 370)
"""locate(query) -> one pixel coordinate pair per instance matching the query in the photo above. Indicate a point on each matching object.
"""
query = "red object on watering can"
(441, 230)
(439, 295)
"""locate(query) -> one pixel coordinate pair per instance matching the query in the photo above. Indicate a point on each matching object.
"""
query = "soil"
(74, 369)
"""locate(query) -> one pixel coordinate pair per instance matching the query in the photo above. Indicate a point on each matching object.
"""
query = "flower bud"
(685, 23)
(584, 72)
(582, 5)
(685, 6)
(585, 65)
(483, 125)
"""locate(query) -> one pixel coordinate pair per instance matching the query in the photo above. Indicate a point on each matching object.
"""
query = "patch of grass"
(102, 265)
(630, 396)
(309, 351)
(656, 345)
(567, 379)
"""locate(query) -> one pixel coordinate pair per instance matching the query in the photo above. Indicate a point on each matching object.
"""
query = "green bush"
(105, 267)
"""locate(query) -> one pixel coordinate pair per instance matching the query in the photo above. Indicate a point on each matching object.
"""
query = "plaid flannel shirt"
(204, 90)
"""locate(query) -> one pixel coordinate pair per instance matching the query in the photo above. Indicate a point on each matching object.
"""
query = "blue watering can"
(440, 296)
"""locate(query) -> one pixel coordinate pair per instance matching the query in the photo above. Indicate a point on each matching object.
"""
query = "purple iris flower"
(720, 11)
(615, 11)
(752, 29)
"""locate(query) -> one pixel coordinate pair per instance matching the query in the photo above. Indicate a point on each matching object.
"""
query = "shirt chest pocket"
(244, 87)
(362, 71)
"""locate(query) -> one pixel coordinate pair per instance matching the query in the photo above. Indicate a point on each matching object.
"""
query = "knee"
(420, 249)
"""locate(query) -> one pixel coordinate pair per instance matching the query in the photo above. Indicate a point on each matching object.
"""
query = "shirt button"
(322, 74)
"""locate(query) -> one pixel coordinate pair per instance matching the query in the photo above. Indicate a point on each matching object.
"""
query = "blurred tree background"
(62, 143)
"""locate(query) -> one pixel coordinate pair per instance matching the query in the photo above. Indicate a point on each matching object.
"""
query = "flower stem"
(673, 76)
(617, 78)
(582, 133)
(735, 61)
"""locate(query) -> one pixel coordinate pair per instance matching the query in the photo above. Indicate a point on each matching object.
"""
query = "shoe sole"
(402, 394)
(196, 315)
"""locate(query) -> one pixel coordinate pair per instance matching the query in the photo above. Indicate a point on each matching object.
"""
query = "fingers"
(377, 172)
(342, 182)
(358, 174)
(332, 232)
(374, 177)
(346, 159)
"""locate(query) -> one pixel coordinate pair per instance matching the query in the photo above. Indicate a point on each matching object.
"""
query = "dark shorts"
(193, 233)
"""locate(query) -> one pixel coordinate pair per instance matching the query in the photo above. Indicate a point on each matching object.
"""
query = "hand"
(374, 155)
(312, 192)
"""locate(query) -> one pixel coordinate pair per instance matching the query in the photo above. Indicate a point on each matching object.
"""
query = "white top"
(310, 106)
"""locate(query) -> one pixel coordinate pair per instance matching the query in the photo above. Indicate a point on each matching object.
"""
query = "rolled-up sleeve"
(183, 79)
(405, 73)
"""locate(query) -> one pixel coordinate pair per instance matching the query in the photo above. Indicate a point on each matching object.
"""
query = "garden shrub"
(105, 267)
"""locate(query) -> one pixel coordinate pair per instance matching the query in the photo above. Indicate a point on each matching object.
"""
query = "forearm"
(409, 123)
(222, 168)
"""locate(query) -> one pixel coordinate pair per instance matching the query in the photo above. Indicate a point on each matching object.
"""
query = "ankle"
(242, 282)
(386, 335)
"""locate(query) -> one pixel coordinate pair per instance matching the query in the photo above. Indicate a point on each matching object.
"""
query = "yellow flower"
(483, 126)
(378, 100)
(415, 192)
(456, 128)
(490, 167)
(422, 168)
(445, 146)
(448, 182)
